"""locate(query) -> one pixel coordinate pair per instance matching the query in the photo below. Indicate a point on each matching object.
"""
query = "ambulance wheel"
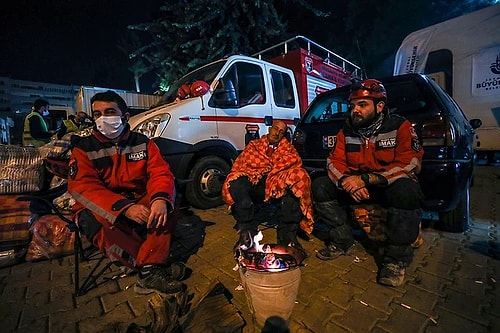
(207, 175)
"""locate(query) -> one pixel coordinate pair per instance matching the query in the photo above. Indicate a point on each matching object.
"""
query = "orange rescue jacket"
(393, 152)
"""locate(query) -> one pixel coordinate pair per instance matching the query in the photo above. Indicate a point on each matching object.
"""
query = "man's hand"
(355, 186)
(352, 183)
(138, 213)
(360, 194)
(159, 214)
(155, 217)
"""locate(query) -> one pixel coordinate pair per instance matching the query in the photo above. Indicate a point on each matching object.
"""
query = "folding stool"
(91, 281)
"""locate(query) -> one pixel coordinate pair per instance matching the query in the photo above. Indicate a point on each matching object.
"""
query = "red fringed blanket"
(283, 169)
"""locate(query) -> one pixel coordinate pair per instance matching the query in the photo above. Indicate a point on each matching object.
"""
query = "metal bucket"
(270, 293)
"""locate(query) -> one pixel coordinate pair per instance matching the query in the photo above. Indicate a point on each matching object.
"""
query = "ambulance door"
(241, 103)
(285, 102)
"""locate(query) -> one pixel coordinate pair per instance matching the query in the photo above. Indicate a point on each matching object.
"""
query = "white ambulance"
(232, 101)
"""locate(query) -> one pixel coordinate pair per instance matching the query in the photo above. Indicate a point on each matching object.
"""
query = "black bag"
(188, 236)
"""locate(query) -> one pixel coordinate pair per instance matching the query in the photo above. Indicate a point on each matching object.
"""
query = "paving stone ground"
(451, 286)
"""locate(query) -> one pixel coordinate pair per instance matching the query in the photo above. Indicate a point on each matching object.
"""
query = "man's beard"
(360, 122)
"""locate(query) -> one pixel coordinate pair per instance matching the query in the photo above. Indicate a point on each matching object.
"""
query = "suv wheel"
(207, 175)
(457, 220)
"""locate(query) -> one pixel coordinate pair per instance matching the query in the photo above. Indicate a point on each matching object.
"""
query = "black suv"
(446, 136)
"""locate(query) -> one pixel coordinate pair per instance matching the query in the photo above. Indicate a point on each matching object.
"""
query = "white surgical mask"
(110, 126)
(45, 113)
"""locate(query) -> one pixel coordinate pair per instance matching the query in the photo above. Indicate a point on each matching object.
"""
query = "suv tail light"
(438, 131)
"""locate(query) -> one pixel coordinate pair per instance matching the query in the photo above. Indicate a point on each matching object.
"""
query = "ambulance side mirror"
(224, 95)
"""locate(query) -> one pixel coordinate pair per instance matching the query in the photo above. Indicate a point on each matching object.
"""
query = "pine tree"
(192, 33)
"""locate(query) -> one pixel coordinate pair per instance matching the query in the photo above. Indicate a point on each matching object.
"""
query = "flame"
(269, 257)
(256, 241)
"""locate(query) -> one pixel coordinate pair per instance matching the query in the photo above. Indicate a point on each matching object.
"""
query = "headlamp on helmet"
(369, 88)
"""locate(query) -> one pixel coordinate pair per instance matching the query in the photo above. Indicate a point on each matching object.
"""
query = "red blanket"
(283, 169)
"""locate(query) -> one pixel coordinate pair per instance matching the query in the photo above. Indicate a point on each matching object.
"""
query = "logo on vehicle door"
(252, 132)
(309, 64)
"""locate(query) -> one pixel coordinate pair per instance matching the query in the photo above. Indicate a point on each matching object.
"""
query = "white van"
(201, 136)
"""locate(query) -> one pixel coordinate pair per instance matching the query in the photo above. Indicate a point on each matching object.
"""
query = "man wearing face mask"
(36, 131)
(125, 196)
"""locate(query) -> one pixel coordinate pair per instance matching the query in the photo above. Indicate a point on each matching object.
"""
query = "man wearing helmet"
(375, 159)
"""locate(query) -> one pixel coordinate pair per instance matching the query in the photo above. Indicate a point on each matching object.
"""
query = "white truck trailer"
(463, 55)
(136, 102)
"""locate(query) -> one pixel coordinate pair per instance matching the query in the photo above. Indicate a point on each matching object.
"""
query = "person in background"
(73, 124)
(36, 131)
(125, 196)
(36, 134)
(269, 170)
(376, 159)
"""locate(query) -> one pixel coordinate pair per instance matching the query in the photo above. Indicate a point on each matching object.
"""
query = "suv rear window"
(404, 96)
(333, 107)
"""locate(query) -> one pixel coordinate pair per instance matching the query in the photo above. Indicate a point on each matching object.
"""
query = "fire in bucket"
(269, 257)
(270, 275)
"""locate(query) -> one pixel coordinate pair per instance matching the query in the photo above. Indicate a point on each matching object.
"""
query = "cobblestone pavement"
(451, 286)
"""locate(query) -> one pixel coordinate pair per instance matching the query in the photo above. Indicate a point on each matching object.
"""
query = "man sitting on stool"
(375, 159)
(269, 170)
(125, 195)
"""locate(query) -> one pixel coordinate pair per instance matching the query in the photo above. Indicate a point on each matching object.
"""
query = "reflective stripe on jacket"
(107, 178)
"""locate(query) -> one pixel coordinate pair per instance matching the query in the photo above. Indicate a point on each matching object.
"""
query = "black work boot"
(392, 274)
(289, 238)
(340, 242)
(289, 216)
(156, 278)
(332, 252)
